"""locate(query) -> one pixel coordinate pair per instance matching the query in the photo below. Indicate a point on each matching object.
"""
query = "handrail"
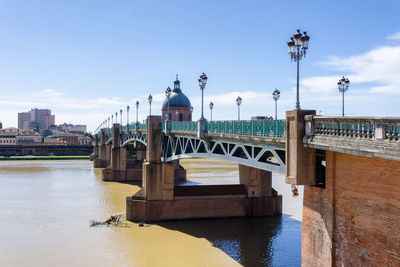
(384, 128)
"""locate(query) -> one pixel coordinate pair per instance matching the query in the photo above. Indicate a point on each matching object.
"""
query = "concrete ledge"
(211, 207)
(385, 149)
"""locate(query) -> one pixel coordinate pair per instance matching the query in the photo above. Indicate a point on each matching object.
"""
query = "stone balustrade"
(368, 136)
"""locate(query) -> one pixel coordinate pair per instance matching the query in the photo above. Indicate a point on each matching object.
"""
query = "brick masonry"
(354, 221)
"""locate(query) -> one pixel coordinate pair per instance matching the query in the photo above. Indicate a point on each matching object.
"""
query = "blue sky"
(87, 59)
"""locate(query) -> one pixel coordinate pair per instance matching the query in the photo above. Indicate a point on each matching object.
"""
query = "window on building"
(180, 117)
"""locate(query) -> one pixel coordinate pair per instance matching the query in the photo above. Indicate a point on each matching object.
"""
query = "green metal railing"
(186, 126)
(132, 127)
(274, 128)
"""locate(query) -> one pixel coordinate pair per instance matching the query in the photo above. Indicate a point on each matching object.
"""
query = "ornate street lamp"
(112, 120)
(116, 117)
(127, 117)
(211, 108)
(343, 85)
(108, 123)
(298, 46)
(191, 112)
(202, 83)
(137, 114)
(238, 102)
(276, 94)
(120, 112)
(150, 99)
(168, 94)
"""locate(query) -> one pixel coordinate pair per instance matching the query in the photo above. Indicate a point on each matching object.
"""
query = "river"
(45, 208)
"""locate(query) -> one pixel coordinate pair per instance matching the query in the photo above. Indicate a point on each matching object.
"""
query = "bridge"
(349, 167)
(254, 143)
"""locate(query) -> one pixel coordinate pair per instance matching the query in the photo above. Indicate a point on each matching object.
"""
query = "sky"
(86, 60)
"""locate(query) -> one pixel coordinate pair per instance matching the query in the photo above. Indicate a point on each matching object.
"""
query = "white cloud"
(50, 93)
(379, 66)
(395, 36)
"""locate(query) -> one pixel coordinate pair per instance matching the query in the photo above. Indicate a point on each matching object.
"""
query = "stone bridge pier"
(126, 160)
(160, 199)
(95, 156)
(101, 155)
(116, 171)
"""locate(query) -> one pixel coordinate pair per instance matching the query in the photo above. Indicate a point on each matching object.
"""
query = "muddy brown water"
(45, 208)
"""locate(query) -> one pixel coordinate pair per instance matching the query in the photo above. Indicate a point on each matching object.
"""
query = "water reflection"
(249, 241)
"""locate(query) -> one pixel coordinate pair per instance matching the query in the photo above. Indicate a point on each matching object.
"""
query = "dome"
(177, 98)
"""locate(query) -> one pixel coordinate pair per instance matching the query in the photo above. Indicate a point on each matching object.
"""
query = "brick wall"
(355, 220)
(186, 114)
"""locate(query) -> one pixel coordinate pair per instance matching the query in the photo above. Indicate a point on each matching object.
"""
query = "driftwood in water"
(113, 219)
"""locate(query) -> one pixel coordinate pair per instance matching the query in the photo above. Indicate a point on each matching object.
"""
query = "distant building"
(7, 139)
(67, 127)
(23, 120)
(69, 138)
(10, 130)
(51, 140)
(84, 141)
(179, 105)
(29, 137)
(79, 128)
(36, 119)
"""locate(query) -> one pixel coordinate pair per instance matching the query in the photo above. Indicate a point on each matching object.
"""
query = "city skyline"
(86, 61)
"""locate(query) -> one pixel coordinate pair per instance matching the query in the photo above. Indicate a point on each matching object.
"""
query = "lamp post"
(116, 117)
(298, 46)
(202, 83)
(137, 114)
(108, 122)
(112, 120)
(127, 117)
(238, 102)
(211, 108)
(276, 94)
(168, 94)
(120, 113)
(150, 99)
(343, 86)
(191, 112)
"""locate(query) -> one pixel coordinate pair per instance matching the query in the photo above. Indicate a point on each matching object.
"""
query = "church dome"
(177, 98)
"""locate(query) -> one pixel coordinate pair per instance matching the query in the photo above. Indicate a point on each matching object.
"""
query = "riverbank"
(44, 158)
